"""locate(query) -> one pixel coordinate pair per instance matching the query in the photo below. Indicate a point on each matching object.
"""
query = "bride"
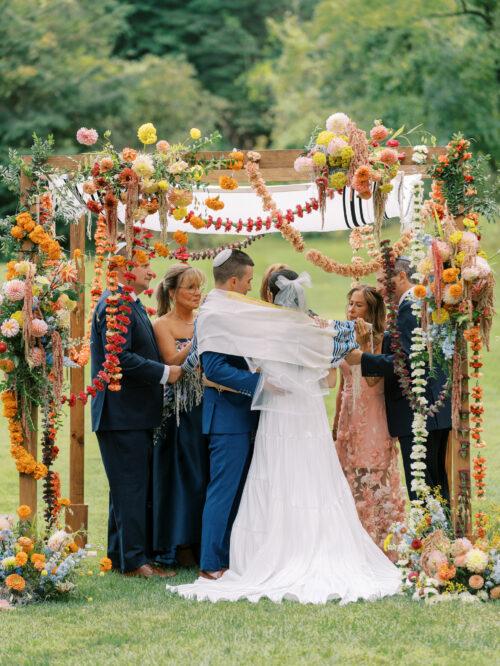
(297, 534)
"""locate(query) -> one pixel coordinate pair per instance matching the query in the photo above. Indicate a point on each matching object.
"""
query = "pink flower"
(303, 164)
(39, 327)
(388, 156)
(162, 146)
(87, 137)
(106, 164)
(460, 547)
(336, 145)
(337, 122)
(468, 241)
(476, 582)
(89, 187)
(393, 143)
(379, 132)
(14, 290)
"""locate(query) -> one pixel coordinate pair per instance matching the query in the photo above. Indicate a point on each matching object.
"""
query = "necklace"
(184, 321)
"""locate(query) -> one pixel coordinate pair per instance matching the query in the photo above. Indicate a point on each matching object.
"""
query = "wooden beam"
(77, 516)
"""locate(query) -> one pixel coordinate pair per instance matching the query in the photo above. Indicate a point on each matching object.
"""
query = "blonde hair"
(264, 287)
(171, 281)
(375, 304)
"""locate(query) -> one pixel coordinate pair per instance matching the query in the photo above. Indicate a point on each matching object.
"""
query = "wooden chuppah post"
(77, 513)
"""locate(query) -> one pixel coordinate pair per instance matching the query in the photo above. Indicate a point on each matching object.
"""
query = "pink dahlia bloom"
(39, 328)
(336, 145)
(379, 132)
(87, 137)
(337, 123)
(303, 164)
(388, 156)
(10, 328)
(14, 290)
(162, 146)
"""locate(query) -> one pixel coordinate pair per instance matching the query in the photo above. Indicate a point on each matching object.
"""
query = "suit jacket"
(399, 413)
(139, 403)
(225, 412)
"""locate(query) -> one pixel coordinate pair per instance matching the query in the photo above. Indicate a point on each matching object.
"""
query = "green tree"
(58, 72)
(429, 61)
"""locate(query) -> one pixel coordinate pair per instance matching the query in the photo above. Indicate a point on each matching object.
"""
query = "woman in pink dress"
(367, 452)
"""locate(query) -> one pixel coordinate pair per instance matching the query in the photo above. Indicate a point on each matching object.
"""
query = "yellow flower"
(18, 316)
(45, 572)
(324, 138)
(468, 222)
(194, 133)
(179, 213)
(482, 254)
(147, 133)
(456, 237)
(319, 159)
(162, 185)
(459, 258)
(387, 541)
(440, 316)
(338, 180)
(386, 188)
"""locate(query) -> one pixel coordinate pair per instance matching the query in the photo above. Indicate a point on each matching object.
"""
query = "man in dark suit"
(399, 412)
(230, 424)
(124, 421)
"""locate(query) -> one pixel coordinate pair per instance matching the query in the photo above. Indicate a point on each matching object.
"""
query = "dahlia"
(337, 123)
(9, 328)
(39, 327)
(87, 137)
(14, 290)
(476, 560)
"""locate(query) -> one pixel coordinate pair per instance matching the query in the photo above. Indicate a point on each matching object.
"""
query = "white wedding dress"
(297, 534)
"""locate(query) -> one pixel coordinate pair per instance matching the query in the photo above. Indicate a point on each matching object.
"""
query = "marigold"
(440, 316)
(214, 203)
(105, 564)
(21, 558)
(15, 582)
(161, 249)
(447, 571)
(37, 557)
(179, 213)
(456, 290)
(228, 183)
(141, 257)
(236, 159)
(17, 232)
(180, 237)
(196, 222)
(419, 291)
(450, 274)
(24, 512)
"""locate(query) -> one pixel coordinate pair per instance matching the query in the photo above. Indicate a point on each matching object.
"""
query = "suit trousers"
(435, 473)
(230, 456)
(127, 458)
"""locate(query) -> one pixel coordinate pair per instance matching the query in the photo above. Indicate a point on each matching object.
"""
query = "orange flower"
(236, 159)
(161, 249)
(228, 183)
(196, 222)
(456, 290)
(129, 154)
(64, 501)
(214, 203)
(447, 571)
(73, 547)
(15, 582)
(180, 237)
(450, 274)
(24, 512)
(419, 291)
(105, 564)
(37, 557)
(17, 232)
(141, 257)
(21, 558)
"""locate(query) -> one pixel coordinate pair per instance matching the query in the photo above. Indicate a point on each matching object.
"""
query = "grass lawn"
(124, 621)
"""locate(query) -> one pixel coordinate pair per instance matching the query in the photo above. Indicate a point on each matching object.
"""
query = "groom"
(124, 421)
(230, 425)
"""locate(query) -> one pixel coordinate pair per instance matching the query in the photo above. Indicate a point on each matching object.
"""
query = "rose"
(87, 137)
(194, 133)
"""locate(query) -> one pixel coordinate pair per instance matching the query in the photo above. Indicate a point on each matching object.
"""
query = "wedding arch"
(274, 166)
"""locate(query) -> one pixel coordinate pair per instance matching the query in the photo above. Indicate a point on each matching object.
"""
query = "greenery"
(263, 73)
(125, 621)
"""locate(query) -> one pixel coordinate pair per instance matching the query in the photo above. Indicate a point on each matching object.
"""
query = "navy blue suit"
(230, 424)
(399, 412)
(124, 422)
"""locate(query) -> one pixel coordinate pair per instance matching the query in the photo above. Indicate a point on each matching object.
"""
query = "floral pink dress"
(369, 456)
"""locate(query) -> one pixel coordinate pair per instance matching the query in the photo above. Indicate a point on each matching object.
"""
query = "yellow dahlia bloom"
(194, 133)
(319, 159)
(147, 133)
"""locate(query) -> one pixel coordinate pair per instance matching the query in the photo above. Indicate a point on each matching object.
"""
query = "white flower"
(58, 540)
(420, 154)
(143, 165)
(337, 123)
(10, 328)
(476, 560)
(63, 318)
(177, 167)
(9, 562)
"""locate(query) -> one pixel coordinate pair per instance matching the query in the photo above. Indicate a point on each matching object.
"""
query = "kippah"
(222, 257)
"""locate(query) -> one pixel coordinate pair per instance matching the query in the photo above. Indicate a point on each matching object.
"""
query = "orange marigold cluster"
(15, 582)
(214, 203)
(228, 183)
(161, 249)
(180, 237)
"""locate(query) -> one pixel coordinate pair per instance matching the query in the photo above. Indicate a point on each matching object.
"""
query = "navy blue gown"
(180, 469)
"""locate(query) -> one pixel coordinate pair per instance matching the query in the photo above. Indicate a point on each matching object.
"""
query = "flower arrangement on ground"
(34, 566)
(437, 566)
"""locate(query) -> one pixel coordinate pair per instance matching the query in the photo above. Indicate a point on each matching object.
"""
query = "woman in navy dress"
(180, 456)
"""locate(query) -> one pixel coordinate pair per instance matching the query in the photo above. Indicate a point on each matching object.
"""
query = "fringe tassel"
(28, 314)
(57, 366)
(131, 204)
(163, 215)
(456, 387)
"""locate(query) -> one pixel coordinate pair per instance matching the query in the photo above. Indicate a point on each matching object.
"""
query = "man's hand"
(354, 357)
(174, 374)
